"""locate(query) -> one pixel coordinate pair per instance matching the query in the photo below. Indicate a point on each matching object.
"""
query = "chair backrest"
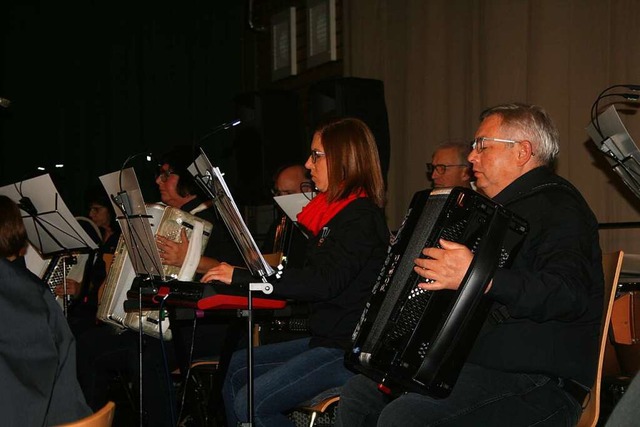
(611, 265)
(102, 418)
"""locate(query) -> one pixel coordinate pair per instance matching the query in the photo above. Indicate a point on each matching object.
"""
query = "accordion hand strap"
(191, 261)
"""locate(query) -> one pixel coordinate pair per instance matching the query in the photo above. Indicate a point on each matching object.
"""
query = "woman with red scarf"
(348, 238)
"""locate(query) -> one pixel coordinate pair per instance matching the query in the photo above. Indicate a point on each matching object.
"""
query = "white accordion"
(168, 222)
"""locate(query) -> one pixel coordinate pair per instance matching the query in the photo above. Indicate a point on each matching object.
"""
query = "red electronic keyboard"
(201, 296)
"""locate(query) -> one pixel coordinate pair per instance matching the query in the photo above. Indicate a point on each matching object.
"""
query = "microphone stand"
(219, 128)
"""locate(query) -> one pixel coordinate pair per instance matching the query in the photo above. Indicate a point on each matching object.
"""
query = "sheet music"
(212, 182)
(127, 201)
(51, 229)
(292, 204)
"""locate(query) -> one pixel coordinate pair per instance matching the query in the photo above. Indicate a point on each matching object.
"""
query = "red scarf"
(318, 212)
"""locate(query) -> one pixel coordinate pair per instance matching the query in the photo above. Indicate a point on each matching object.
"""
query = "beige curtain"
(443, 61)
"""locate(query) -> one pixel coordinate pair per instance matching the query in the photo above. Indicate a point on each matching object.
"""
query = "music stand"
(51, 227)
(612, 138)
(127, 201)
(210, 179)
(131, 212)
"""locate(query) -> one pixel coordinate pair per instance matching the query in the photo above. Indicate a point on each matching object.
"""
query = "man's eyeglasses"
(165, 174)
(315, 154)
(441, 169)
(305, 187)
(478, 144)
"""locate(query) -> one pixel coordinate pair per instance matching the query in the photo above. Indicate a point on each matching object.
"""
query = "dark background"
(94, 85)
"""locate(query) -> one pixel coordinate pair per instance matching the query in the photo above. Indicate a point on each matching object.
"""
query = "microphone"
(5, 103)
(632, 97)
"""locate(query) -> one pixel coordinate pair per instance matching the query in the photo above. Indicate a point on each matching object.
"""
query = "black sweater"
(340, 269)
(553, 291)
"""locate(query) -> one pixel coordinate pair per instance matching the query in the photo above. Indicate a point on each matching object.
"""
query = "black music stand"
(611, 136)
(210, 179)
(127, 201)
(51, 227)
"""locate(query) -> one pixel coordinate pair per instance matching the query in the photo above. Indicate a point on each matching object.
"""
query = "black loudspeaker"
(354, 97)
(270, 135)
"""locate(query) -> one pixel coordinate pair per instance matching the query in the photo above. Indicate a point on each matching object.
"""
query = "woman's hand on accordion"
(222, 272)
(73, 289)
(173, 253)
(443, 268)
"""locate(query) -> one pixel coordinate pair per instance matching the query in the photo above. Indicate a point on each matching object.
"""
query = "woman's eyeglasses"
(315, 154)
(165, 174)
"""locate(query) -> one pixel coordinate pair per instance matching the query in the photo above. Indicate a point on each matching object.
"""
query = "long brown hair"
(353, 163)
(13, 235)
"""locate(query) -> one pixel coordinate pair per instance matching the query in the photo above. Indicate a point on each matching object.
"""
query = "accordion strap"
(202, 206)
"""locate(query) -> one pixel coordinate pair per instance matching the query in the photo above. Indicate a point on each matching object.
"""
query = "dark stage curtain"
(92, 83)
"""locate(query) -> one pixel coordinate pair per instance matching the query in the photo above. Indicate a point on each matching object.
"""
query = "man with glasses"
(285, 241)
(449, 166)
(536, 355)
(291, 179)
(282, 235)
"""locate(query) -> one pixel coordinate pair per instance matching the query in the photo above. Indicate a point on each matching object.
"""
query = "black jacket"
(553, 291)
(341, 266)
(37, 354)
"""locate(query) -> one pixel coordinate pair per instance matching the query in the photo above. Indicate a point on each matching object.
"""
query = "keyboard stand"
(265, 288)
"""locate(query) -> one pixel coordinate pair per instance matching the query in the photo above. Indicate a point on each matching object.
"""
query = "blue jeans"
(285, 375)
(481, 397)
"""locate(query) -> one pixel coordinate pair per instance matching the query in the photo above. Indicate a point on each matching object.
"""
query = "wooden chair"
(102, 418)
(611, 264)
(318, 405)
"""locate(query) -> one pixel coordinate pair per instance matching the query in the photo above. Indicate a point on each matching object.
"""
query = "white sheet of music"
(292, 204)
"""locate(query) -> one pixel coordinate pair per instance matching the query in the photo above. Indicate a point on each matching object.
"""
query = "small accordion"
(54, 270)
(410, 339)
(165, 221)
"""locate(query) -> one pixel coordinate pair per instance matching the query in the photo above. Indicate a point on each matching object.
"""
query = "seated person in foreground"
(38, 352)
(531, 361)
(347, 247)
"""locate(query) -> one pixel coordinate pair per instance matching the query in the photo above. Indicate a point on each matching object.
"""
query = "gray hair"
(531, 123)
(463, 148)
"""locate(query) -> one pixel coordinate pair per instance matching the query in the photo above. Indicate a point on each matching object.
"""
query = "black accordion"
(410, 339)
